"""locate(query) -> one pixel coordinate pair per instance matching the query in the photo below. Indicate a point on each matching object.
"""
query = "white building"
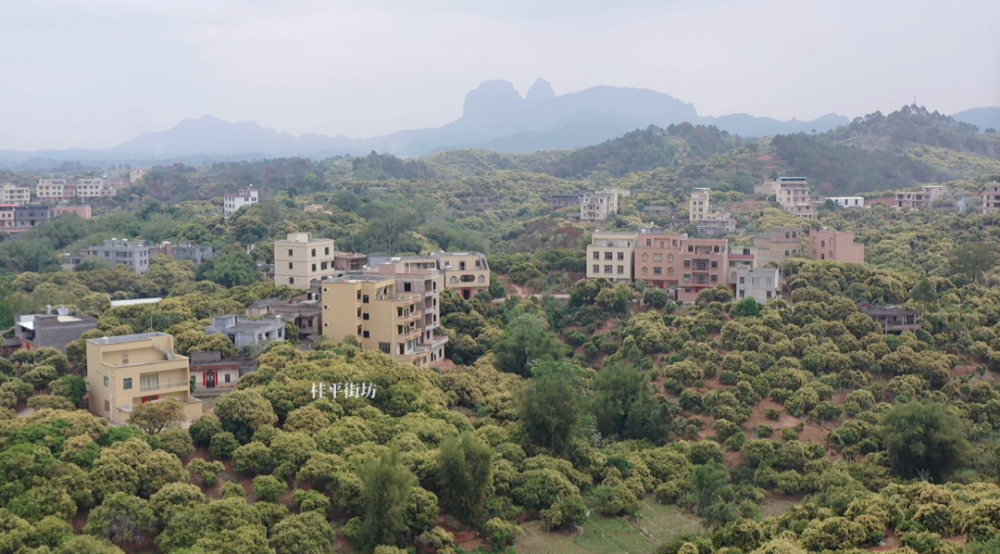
(848, 201)
(90, 188)
(699, 207)
(243, 197)
(15, 195)
(759, 283)
(50, 189)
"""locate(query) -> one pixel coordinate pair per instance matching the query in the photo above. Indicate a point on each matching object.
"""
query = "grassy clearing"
(612, 535)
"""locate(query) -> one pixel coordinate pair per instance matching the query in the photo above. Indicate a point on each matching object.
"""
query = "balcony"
(407, 317)
(408, 333)
(166, 385)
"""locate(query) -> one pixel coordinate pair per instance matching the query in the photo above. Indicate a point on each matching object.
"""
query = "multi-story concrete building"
(776, 245)
(135, 174)
(51, 190)
(699, 204)
(301, 259)
(838, 246)
(90, 188)
(565, 200)
(598, 206)
(349, 261)
(51, 330)
(760, 283)
(465, 272)
(795, 197)
(391, 309)
(243, 197)
(7, 217)
(922, 199)
(30, 216)
(740, 257)
(133, 253)
(82, 211)
(243, 331)
(197, 253)
(991, 197)
(716, 224)
(848, 201)
(611, 255)
(676, 261)
(13, 194)
(305, 312)
(127, 371)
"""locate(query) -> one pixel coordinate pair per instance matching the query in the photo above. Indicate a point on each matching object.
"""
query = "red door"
(149, 398)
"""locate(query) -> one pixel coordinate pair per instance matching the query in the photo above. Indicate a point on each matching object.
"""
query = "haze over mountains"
(495, 117)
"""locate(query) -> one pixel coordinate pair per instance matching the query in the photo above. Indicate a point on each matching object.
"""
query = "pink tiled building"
(671, 260)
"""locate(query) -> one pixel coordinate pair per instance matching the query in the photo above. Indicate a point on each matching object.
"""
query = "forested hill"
(913, 125)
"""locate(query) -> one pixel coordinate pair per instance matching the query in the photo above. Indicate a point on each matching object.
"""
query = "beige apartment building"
(391, 309)
(610, 255)
(991, 197)
(90, 188)
(15, 195)
(740, 257)
(598, 206)
(793, 194)
(7, 217)
(776, 245)
(676, 261)
(465, 272)
(838, 246)
(50, 190)
(127, 371)
(301, 259)
(920, 200)
(699, 204)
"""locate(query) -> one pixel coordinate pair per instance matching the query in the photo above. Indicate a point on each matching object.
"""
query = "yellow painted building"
(611, 255)
(465, 272)
(127, 371)
(301, 259)
(392, 309)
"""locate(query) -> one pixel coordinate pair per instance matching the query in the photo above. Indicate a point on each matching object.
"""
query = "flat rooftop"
(127, 338)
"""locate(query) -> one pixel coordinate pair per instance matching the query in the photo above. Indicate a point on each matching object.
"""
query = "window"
(786, 253)
(715, 265)
(597, 268)
(364, 299)
(609, 255)
(770, 281)
(314, 267)
(482, 278)
(326, 251)
(124, 358)
(743, 280)
(657, 271)
(107, 382)
(366, 335)
(291, 252)
(149, 382)
(662, 243)
(290, 265)
(645, 257)
(645, 270)
(822, 243)
(621, 256)
(385, 347)
(687, 277)
(227, 378)
(359, 329)
(313, 252)
(621, 270)
(597, 255)
(687, 263)
(649, 242)
(607, 269)
(670, 271)
(755, 281)
(323, 265)
(670, 258)
(291, 280)
(107, 406)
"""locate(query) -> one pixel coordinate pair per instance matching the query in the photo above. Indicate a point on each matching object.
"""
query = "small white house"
(848, 201)
(760, 283)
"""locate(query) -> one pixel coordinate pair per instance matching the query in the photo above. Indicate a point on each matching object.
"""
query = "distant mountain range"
(495, 117)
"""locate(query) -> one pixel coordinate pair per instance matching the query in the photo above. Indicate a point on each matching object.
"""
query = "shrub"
(773, 414)
(223, 445)
(500, 533)
(268, 488)
(764, 430)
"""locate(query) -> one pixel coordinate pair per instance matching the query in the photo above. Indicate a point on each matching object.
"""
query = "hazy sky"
(95, 73)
